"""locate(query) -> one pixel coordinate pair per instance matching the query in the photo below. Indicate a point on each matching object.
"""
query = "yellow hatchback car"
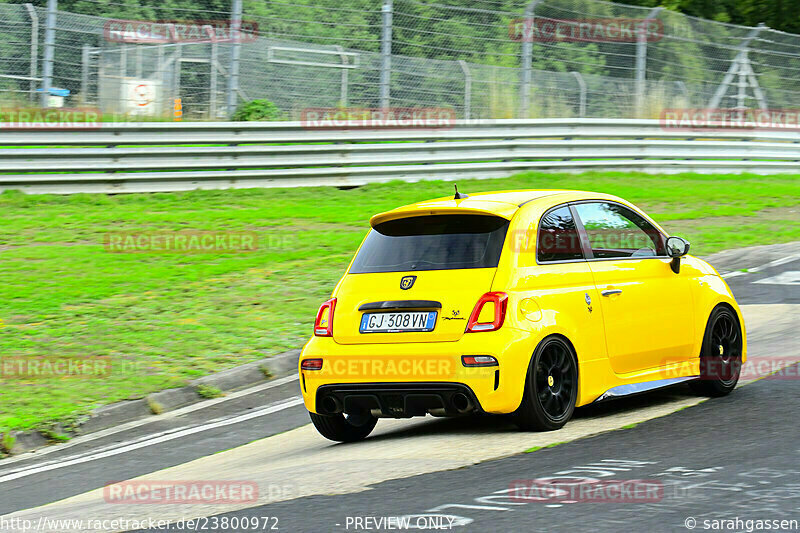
(525, 302)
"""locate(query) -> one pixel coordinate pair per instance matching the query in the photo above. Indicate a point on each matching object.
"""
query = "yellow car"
(527, 302)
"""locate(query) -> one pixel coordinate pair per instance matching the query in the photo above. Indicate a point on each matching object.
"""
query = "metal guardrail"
(154, 157)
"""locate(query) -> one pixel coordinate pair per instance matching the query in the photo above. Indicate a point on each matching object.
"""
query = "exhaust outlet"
(461, 403)
(330, 405)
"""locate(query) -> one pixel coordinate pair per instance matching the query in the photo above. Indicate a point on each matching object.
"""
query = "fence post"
(236, 51)
(34, 48)
(345, 77)
(582, 101)
(212, 101)
(162, 76)
(49, 50)
(682, 88)
(641, 62)
(386, 53)
(527, 59)
(84, 73)
(467, 88)
(176, 73)
(123, 73)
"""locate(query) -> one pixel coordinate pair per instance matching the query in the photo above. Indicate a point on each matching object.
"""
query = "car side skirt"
(637, 388)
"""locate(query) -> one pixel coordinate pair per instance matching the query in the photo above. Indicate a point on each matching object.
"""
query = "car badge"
(455, 313)
(407, 282)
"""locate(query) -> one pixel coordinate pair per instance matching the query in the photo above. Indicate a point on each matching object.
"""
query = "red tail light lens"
(500, 302)
(323, 325)
(478, 360)
(311, 364)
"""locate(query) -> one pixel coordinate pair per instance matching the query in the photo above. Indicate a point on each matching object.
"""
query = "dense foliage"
(777, 14)
(257, 110)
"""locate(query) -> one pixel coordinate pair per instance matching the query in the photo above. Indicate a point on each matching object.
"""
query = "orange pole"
(177, 110)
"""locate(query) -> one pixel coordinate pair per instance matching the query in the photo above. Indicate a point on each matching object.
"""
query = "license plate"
(398, 322)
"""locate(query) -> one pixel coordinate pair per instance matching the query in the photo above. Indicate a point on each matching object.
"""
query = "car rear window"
(433, 242)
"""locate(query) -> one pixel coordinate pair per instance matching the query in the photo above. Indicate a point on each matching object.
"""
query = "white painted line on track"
(789, 277)
(777, 262)
(734, 274)
(83, 439)
(127, 447)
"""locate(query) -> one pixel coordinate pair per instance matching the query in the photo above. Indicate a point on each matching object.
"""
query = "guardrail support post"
(386, 53)
(49, 50)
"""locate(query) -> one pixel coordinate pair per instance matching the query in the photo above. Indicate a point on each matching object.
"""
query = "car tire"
(551, 387)
(341, 428)
(720, 355)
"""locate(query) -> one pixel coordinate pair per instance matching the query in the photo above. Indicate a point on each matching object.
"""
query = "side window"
(616, 231)
(557, 239)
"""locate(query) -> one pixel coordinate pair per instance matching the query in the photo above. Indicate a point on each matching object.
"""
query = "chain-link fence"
(19, 66)
(537, 58)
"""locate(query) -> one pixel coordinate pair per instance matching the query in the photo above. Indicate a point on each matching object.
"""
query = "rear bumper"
(398, 400)
(416, 377)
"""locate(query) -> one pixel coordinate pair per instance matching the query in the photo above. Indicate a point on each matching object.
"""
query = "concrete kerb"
(107, 416)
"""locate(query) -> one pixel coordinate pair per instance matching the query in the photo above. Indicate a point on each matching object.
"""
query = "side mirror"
(677, 248)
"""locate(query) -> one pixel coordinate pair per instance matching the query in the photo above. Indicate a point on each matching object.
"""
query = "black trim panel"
(401, 304)
(398, 400)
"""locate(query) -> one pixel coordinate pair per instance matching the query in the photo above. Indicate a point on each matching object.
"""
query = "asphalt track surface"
(722, 459)
(737, 456)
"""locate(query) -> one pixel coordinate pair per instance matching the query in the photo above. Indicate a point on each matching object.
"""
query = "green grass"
(537, 448)
(7, 442)
(166, 318)
(209, 391)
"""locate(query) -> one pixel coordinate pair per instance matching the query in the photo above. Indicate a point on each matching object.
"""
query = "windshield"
(434, 242)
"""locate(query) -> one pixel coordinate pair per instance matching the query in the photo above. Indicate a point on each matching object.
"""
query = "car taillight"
(478, 360)
(323, 325)
(311, 364)
(500, 301)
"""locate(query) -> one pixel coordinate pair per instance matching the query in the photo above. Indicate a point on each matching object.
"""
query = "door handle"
(609, 292)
